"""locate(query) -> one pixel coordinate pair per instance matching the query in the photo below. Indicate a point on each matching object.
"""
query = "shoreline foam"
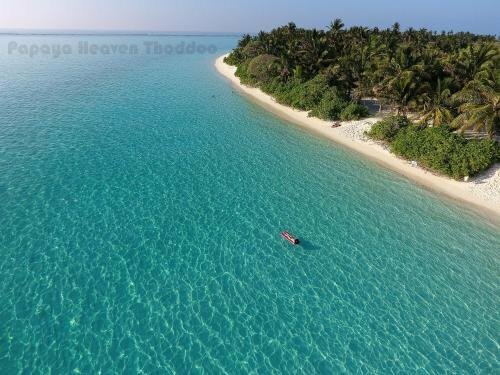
(481, 193)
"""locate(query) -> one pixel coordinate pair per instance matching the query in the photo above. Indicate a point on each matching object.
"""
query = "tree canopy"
(443, 78)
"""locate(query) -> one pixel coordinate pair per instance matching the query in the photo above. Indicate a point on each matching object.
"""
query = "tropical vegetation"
(440, 79)
(437, 148)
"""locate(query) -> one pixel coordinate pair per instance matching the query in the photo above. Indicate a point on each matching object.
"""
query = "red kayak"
(287, 236)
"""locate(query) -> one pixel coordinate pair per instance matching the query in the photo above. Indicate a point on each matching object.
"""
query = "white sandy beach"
(481, 193)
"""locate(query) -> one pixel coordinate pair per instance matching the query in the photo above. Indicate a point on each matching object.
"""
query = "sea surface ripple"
(141, 201)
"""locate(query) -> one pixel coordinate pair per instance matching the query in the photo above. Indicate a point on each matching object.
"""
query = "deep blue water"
(141, 201)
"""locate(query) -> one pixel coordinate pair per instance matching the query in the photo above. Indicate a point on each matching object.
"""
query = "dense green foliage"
(443, 78)
(353, 111)
(437, 148)
(330, 107)
(263, 68)
(297, 94)
(388, 128)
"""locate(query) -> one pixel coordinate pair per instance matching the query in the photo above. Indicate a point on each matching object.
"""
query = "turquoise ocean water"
(141, 201)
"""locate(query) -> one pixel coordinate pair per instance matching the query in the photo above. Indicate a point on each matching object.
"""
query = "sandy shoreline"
(482, 193)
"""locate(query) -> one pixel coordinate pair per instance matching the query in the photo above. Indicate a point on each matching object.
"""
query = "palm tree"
(400, 78)
(359, 67)
(314, 51)
(436, 103)
(480, 104)
(472, 60)
(400, 91)
(336, 26)
(244, 41)
(335, 37)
